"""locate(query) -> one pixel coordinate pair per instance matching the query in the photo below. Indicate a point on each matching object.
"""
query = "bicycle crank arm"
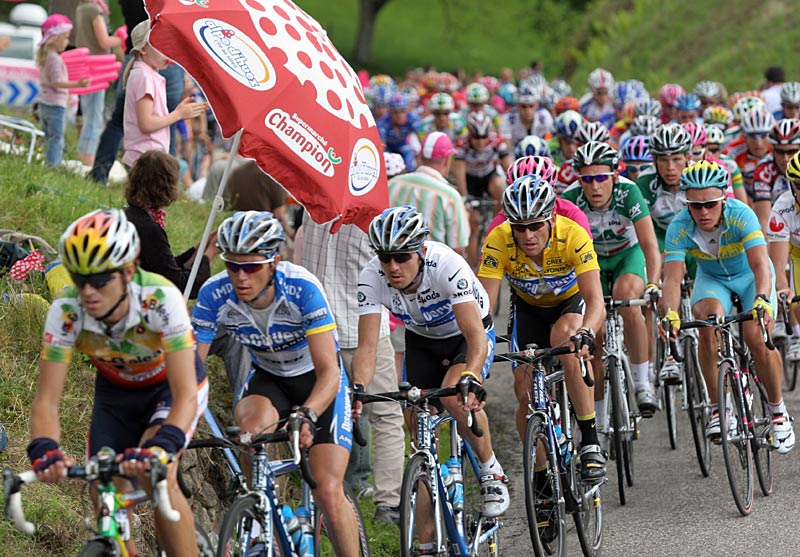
(591, 493)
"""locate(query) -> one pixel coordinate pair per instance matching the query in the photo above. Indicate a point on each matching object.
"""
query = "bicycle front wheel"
(587, 511)
(322, 544)
(237, 536)
(428, 528)
(544, 501)
(734, 436)
(618, 421)
(699, 405)
(760, 441)
(671, 410)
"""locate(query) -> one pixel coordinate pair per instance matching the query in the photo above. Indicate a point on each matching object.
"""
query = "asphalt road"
(671, 509)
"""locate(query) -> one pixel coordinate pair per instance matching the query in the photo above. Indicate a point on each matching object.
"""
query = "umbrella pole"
(217, 205)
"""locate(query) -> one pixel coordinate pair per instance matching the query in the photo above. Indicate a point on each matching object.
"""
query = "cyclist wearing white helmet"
(565, 126)
(596, 106)
(477, 97)
(754, 148)
(150, 388)
(709, 93)
(732, 258)
(279, 312)
(526, 118)
(769, 178)
(790, 99)
(627, 253)
(551, 265)
(783, 236)
(442, 118)
(450, 336)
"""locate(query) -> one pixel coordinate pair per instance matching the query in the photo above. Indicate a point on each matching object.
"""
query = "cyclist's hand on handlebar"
(674, 322)
(357, 405)
(652, 292)
(136, 460)
(476, 398)
(584, 344)
(47, 459)
(762, 303)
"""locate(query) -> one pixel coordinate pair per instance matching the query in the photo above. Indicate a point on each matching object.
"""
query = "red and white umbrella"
(269, 70)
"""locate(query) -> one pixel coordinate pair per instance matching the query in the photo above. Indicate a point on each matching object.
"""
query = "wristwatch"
(588, 330)
(309, 413)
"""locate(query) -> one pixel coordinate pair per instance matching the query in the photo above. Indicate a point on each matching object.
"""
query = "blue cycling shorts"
(721, 288)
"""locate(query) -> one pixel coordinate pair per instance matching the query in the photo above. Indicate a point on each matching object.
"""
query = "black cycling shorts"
(288, 392)
(478, 186)
(532, 324)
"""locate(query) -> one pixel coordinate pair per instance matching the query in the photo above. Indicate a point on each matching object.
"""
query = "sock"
(651, 372)
(588, 429)
(796, 330)
(491, 466)
(777, 407)
(600, 415)
(641, 375)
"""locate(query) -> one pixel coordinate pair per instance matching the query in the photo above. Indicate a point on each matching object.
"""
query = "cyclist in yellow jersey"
(552, 267)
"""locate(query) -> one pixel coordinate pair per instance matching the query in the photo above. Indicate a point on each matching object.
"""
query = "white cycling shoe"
(494, 492)
(782, 433)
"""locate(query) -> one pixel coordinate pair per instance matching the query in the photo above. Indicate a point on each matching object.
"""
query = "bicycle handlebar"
(532, 355)
(715, 321)
(414, 395)
(300, 456)
(12, 484)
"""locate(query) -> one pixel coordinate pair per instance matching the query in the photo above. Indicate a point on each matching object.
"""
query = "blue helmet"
(508, 92)
(704, 174)
(399, 100)
(567, 123)
(688, 101)
(624, 92)
(531, 146)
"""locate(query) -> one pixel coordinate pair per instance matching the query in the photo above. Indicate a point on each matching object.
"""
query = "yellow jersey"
(569, 254)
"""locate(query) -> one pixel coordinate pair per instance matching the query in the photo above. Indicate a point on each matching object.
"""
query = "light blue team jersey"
(741, 231)
(300, 309)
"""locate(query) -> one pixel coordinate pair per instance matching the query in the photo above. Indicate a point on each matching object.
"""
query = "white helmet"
(249, 232)
(601, 78)
(398, 229)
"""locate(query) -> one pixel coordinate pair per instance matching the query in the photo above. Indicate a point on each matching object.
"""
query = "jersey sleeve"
(675, 243)
(581, 250)
(317, 313)
(505, 127)
(778, 228)
(369, 287)
(502, 148)
(169, 318)
(634, 203)
(494, 254)
(749, 228)
(60, 330)
(204, 313)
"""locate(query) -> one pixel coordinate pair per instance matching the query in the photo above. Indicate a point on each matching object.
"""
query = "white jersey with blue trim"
(276, 337)
(447, 280)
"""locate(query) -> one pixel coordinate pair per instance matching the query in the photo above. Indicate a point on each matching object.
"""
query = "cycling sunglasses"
(440, 113)
(589, 178)
(786, 152)
(757, 135)
(710, 204)
(714, 150)
(638, 167)
(400, 257)
(532, 226)
(698, 152)
(96, 281)
(248, 267)
(787, 106)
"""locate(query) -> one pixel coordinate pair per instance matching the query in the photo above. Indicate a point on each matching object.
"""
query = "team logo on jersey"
(775, 226)
(587, 257)
(361, 298)
(68, 317)
(462, 284)
(490, 261)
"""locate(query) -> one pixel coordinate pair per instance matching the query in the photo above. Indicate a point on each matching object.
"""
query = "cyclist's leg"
(328, 465)
(709, 296)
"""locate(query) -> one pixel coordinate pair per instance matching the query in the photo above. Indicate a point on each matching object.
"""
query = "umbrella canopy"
(269, 69)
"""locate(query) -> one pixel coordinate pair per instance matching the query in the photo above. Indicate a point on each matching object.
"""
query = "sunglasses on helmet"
(249, 267)
(710, 204)
(532, 226)
(400, 257)
(96, 281)
(589, 178)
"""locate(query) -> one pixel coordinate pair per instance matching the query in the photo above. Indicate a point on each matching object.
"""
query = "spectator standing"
(91, 31)
(54, 85)
(774, 77)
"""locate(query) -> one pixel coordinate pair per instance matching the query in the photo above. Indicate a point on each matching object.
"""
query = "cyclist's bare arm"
(470, 324)
(762, 209)
(364, 359)
(322, 347)
(505, 162)
(671, 290)
(779, 254)
(759, 262)
(492, 286)
(647, 240)
(592, 292)
(183, 386)
(202, 350)
(460, 175)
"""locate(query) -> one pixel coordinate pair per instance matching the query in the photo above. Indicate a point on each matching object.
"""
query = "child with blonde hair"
(54, 85)
(146, 121)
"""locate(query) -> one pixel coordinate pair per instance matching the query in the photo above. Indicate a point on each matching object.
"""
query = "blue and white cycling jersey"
(447, 280)
(300, 309)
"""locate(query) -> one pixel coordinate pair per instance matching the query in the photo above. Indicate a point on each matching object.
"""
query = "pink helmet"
(697, 132)
(670, 92)
(532, 164)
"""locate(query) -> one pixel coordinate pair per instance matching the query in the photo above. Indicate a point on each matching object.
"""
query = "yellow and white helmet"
(99, 242)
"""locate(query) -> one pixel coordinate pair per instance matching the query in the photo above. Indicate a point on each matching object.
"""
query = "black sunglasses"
(711, 204)
(440, 113)
(786, 152)
(532, 226)
(638, 167)
(400, 257)
(96, 281)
